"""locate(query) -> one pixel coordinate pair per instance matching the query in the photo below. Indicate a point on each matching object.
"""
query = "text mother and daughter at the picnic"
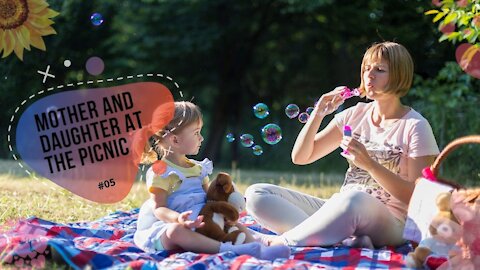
(389, 145)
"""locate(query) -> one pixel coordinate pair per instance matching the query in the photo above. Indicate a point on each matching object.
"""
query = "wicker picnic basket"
(465, 204)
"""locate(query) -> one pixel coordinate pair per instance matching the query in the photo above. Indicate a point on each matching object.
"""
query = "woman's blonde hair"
(186, 113)
(400, 66)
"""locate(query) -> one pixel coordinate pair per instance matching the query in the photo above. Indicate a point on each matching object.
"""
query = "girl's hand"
(357, 153)
(230, 222)
(330, 101)
(191, 224)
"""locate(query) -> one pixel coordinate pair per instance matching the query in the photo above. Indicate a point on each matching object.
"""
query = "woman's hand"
(357, 153)
(191, 224)
(329, 102)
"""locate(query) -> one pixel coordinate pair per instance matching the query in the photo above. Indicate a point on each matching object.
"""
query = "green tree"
(228, 56)
(450, 102)
(458, 20)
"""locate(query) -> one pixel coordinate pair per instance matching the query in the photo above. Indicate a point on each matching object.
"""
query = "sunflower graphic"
(23, 23)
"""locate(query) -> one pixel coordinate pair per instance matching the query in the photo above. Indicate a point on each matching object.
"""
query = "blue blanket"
(108, 243)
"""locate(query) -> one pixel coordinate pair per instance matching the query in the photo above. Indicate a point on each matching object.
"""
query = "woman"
(390, 145)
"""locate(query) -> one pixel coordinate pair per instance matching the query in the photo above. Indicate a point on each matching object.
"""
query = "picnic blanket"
(107, 243)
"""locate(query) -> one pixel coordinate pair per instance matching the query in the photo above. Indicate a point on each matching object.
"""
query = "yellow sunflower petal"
(37, 42)
(39, 22)
(2, 40)
(23, 36)
(9, 43)
(34, 30)
(30, 27)
(36, 6)
(18, 37)
(50, 13)
(50, 22)
(43, 2)
(46, 31)
(18, 50)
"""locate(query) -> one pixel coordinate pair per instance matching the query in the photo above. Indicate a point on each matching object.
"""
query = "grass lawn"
(22, 196)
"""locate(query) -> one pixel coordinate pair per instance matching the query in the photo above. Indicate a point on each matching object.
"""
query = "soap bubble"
(261, 110)
(303, 117)
(246, 140)
(271, 133)
(96, 19)
(309, 110)
(230, 137)
(292, 111)
(95, 65)
(257, 150)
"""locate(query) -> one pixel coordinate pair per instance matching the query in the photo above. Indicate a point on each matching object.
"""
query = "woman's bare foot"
(276, 240)
(362, 241)
(261, 237)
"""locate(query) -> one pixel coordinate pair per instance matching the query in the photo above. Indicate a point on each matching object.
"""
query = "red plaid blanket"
(108, 243)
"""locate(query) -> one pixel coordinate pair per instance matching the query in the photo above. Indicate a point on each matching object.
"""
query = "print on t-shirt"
(358, 179)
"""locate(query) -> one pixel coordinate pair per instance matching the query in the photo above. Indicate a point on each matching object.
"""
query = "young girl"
(168, 219)
(390, 145)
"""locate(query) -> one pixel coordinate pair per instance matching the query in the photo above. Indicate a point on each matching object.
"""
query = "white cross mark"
(46, 74)
(168, 151)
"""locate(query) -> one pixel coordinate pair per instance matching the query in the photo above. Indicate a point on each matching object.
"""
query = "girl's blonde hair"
(186, 113)
(400, 66)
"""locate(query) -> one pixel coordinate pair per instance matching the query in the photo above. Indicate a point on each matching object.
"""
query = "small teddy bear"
(445, 231)
(221, 211)
(466, 207)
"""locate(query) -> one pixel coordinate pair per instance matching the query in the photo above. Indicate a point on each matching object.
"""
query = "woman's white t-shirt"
(392, 146)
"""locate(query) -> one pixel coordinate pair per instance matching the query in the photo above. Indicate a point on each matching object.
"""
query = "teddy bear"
(445, 231)
(466, 208)
(221, 211)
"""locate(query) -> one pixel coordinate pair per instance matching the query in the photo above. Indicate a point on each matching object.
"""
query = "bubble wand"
(348, 93)
(347, 131)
